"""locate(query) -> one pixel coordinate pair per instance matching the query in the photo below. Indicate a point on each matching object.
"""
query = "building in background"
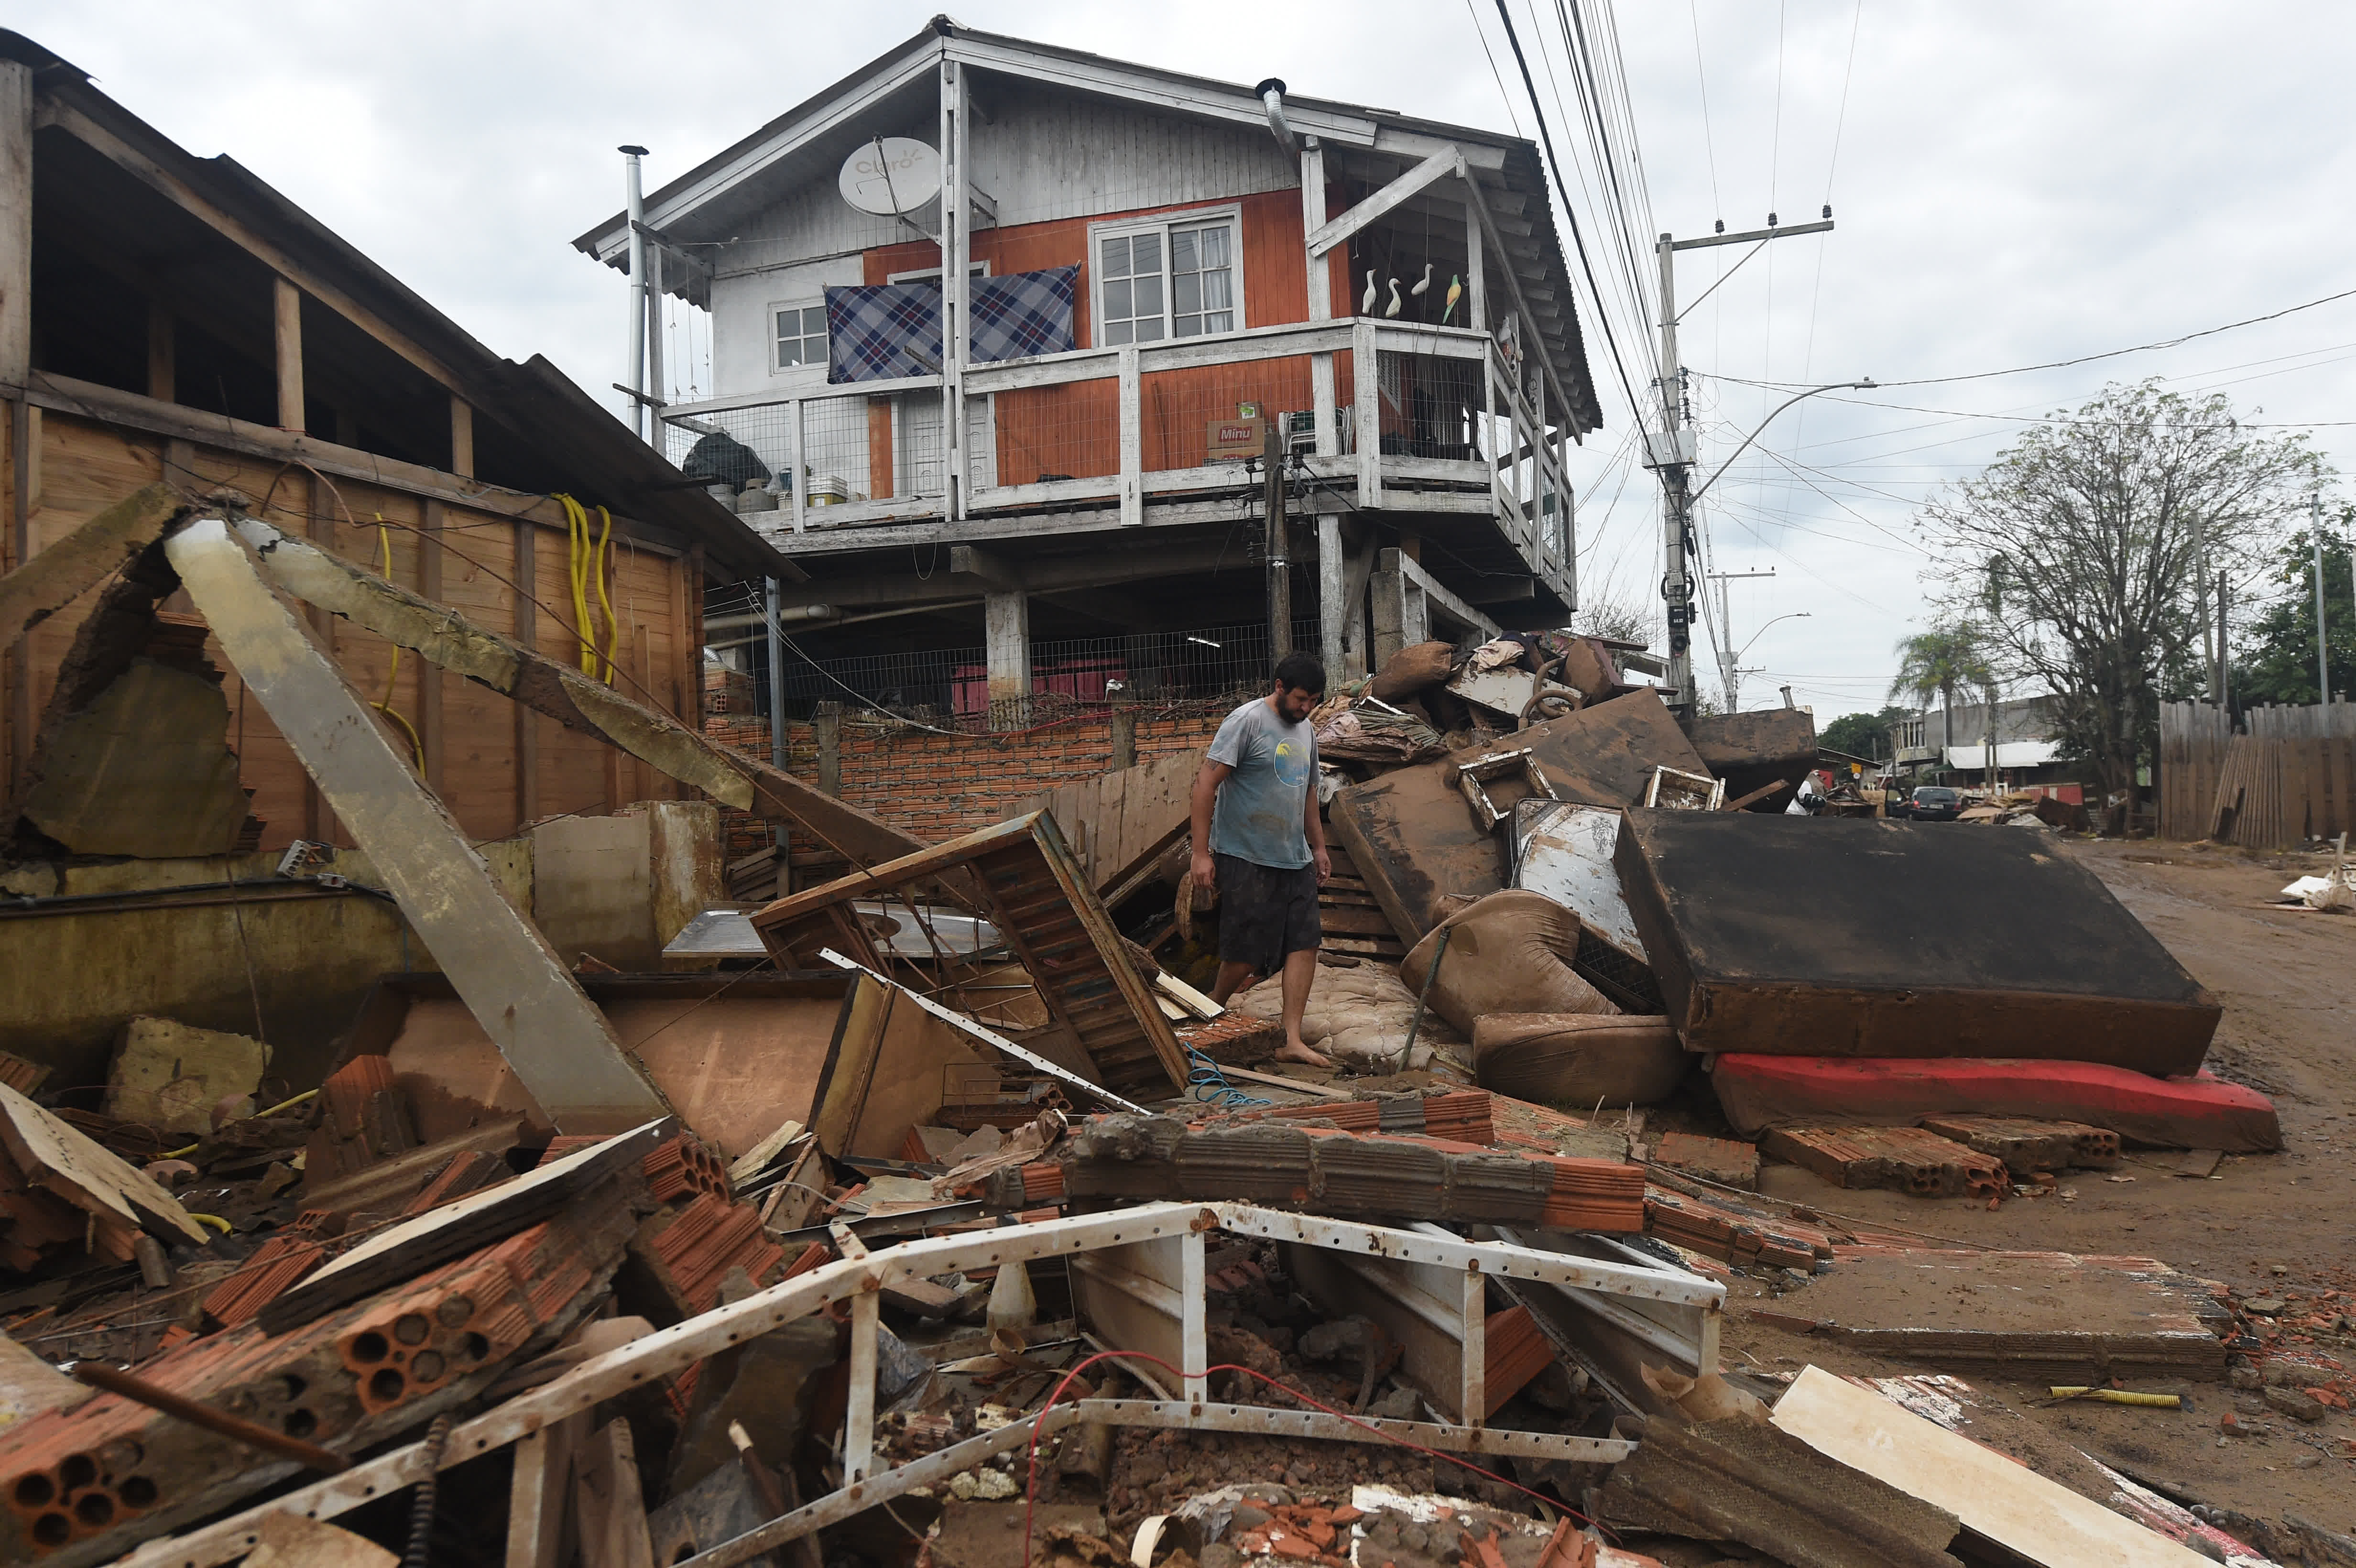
(1059, 492)
(2018, 740)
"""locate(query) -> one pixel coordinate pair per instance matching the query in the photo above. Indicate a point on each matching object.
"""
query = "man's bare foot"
(1296, 1051)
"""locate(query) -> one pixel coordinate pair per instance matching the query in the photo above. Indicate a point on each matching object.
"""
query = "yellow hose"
(2119, 1396)
(213, 1220)
(586, 558)
(392, 676)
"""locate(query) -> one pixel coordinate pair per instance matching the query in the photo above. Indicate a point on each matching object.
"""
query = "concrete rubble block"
(1909, 1158)
(144, 770)
(1575, 1059)
(1509, 952)
(1721, 1161)
(2029, 1147)
(170, 1076)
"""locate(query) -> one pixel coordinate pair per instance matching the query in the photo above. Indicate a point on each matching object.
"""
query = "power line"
(1511, 117)
(2085, 358)
(1635, 409)
(1708, 146)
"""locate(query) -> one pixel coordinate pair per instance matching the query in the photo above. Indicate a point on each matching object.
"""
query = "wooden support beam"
(527, 636)
(286, 317)
(545, 685)
(83, 129)
(15, 221)
(1437, 167)
(79, 561)
(1332, 599)
(163, 353)
(560, 1047)
(462, 437)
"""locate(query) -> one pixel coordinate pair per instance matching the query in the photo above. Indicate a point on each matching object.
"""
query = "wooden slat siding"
(1073, 430)
(432, 693)
(86, 466)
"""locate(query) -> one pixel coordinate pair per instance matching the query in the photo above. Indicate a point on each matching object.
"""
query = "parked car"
(1930, 803)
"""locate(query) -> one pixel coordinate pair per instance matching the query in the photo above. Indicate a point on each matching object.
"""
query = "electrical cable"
(1513, 119)
(392, 674)
(1579, 243)
(1708, 146)
(1030, 1483)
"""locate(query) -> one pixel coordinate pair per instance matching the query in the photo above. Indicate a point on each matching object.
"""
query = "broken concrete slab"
(2201, 1112)
(1415, 840)
(67, 568)
(171, 1076)
(1864, 964)
(618, 888)
(2042, 1317)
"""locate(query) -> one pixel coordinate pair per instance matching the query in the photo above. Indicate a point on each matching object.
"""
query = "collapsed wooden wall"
(494, 765)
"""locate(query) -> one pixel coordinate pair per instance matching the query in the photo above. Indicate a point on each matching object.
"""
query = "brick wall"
(939, 787)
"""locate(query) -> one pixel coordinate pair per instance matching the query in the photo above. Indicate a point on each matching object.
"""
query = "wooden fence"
(2288, 775)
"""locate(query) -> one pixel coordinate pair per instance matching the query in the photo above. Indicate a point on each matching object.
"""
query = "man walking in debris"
(1259, 840)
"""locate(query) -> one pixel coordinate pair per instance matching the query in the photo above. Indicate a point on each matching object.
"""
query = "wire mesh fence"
(950, 688)
(1431, 406)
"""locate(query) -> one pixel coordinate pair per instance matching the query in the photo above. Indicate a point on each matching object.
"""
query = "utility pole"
(2223, 697)
(2322, 641)
(635, 205)
(1726, 673)
(1674, 448)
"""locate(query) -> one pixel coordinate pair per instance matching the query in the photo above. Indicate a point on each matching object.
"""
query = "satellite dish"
(891, 175)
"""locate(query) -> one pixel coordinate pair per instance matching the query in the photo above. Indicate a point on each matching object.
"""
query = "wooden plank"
(287, 320)
(66, 1164)
(609, 1507)
(69, 567)
(431, 734)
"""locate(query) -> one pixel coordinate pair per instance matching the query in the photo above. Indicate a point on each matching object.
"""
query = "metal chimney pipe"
(1271, 93)
(635, 201)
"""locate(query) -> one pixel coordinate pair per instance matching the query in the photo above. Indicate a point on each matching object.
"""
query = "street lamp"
(1864, 386)
(1734, 672)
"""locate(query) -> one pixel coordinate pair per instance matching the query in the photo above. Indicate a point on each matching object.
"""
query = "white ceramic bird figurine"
(1393, 308)
(1423, 287)
(1366, 306)
(1455, 292)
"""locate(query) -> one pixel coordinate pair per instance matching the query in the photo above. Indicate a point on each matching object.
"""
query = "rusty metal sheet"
(1415, 840)
(1750, 751)
(1805, 936)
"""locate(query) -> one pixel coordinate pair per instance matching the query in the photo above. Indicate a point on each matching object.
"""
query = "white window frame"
(769, 325)
(1161, 223)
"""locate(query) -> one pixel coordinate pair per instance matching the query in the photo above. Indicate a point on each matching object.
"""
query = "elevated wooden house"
(167, 317)
(1035, 406)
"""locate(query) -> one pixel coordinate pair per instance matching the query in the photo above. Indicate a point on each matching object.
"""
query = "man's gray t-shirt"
(1261, 804)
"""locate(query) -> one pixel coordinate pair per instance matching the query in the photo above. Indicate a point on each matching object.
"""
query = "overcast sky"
(2014, 184)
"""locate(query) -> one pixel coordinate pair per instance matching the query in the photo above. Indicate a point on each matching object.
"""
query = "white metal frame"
(769, 318)
(857, 1280)
(1101, 230)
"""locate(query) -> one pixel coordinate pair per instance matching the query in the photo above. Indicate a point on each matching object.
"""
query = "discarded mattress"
(1508, 953)
(1578, 1058)
(1855, 938)
(2200, 1112)
(1414, 839)
(1360, 1014)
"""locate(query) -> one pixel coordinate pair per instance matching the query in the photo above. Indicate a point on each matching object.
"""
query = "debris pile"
(968, 1197)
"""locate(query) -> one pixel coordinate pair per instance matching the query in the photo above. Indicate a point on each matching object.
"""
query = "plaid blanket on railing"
(880, 332)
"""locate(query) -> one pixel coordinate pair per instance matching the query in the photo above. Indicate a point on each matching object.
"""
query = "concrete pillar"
(1332, 596)
(1124, 731)
(1006, 639)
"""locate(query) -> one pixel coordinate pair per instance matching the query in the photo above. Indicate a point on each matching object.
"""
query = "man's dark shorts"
(1265, 912)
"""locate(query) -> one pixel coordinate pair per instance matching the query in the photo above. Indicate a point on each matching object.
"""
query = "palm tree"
(1937, 662)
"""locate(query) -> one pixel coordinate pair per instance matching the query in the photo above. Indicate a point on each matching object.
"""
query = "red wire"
(1031, 1480)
